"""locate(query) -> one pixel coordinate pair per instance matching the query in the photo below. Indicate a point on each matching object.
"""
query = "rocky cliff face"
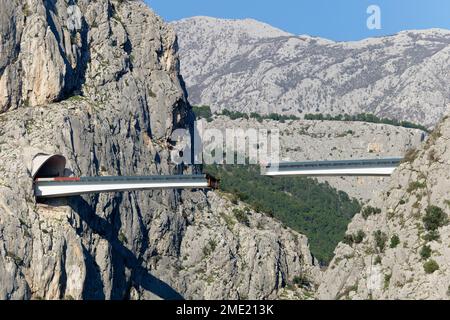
(98, 81)
(245, 66)
(333, 140)
(402, 250)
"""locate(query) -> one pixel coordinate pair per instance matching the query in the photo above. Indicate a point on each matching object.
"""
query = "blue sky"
(339, 20)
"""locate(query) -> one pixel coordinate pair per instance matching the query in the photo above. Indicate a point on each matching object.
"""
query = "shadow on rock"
(139, 275)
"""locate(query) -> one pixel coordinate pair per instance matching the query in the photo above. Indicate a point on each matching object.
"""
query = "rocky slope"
(335, 140)
(405, 253)
(246, 66)
(98, 81)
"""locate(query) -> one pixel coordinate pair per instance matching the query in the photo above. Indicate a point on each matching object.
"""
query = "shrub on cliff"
(434, 218)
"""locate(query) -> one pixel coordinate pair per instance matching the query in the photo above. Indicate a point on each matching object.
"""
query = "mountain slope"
(403, 76)
(305, 205)
(405, 251)
(99, 82)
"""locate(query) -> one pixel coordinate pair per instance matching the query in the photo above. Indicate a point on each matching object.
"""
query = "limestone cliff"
(99, 82)
(397, 248)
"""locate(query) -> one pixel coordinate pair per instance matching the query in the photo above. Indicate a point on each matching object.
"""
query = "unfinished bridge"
(51, 179)
(369, 167)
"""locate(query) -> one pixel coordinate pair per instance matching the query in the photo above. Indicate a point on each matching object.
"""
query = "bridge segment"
(369, 167)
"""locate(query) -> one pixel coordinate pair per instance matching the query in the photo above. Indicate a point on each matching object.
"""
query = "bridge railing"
(308, 165)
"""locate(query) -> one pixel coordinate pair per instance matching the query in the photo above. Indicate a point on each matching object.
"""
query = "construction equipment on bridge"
(372, 167)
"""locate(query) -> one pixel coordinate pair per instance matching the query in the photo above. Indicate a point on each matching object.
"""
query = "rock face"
(332, 140)
(98, 81)
(248, 67)
(405, 253)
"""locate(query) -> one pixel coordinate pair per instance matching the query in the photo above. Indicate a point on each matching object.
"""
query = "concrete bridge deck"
(68, 186)
(365, 167)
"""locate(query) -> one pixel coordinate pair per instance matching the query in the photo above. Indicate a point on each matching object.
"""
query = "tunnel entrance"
(48, 166)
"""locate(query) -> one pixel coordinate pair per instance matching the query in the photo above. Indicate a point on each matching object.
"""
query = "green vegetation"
(229, 221)
(272, 116)
(212, 244)
(395, 241)
(433, 235)
(311, 208)
(29, 124)
(348, 239)
(425, 252)
(377, 260)
(434, 218)
(370, 211)
(356, 238)
(434, 136)
(150, 91)
(387, 280)
(413, 186)
(302, 281)
(447, 203)
(76, 98)
(122, 238)
(26, 10)
(366, 117)
(202, 112)
(233, 115)
(430, 266)
(432, 156)
(17, 260)
(359, 237)
(242, 217)
(346, 133)
(410, 155)
(380, 240)
(209, 248)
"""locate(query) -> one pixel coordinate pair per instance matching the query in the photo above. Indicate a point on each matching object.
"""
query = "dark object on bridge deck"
(213, 183)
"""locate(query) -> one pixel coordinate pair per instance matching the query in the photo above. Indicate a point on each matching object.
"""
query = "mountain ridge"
(404, 76)
(212, 19)
(245, 24)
